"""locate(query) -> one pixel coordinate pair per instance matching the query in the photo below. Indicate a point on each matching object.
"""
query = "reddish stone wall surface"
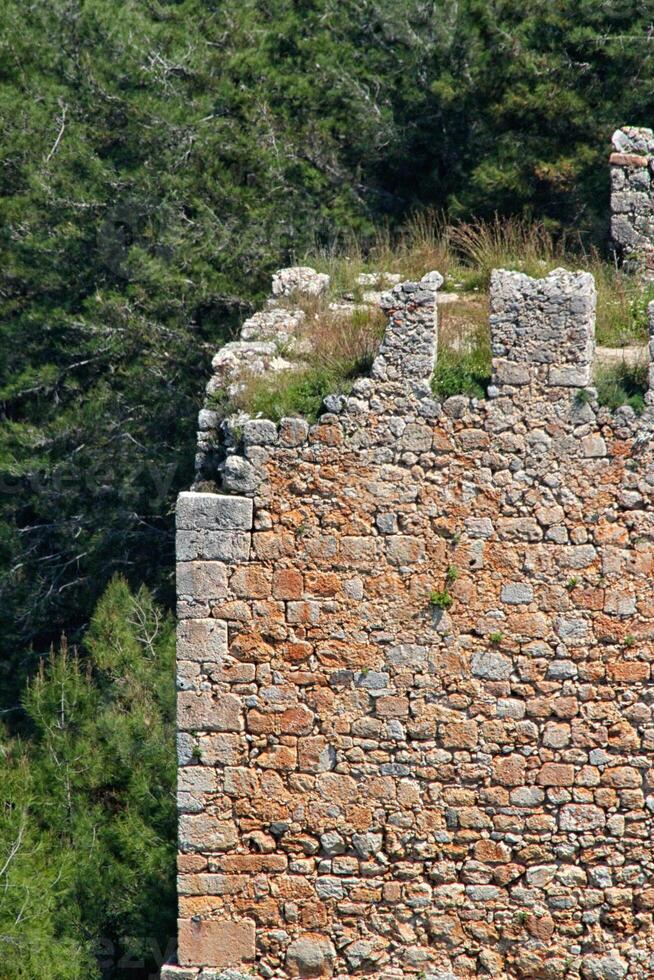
(415, 660)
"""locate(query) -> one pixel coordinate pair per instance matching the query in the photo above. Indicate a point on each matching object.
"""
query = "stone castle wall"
(632, 198)
(415, 670)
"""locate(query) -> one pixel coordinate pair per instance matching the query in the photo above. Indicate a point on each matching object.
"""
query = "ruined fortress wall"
(414, 661)
(632, 198)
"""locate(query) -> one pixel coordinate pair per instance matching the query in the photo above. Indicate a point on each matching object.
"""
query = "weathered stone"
(239, 475)
(222, 546)
(609, 967)
(202, 712)
(311, 955)
(516, 593)
(491, 666)
(581, 817)
(201, 832)
(299, 279)
(212, 512)
(172, 972)
(203, 640)
(219, 943)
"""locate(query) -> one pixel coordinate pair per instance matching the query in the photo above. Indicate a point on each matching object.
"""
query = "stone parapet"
(408, 350)
(542, 330)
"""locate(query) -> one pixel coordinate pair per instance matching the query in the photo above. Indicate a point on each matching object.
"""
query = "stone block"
(202, 581)
(216, 943)
(201, 832)
(205, 712)
(311, 955)
(259, 432)
(201, 640)
(517, 593)
(570, 376)
(239, 475)
(222, 546)
(510, 373)
(631, 160)
(287, 583)
(213, 512)
(509, 770)
(491, 666)
(460, 735)
(629, 672)
(581, 817)
(404, 550)
(293, 432)
(251, 582)
(556, 774)
(171, 971)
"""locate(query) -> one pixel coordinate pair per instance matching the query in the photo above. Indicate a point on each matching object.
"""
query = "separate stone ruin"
(632, 198)
(415, 648)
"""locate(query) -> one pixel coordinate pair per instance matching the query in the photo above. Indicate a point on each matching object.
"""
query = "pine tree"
(88, 826)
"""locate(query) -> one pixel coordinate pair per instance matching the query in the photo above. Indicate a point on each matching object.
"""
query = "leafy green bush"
(622, 384)
(440, 599)
(293, 393)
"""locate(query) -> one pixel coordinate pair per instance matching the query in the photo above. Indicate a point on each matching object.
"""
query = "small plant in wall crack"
(630, 641)
(452, 574)
(572, 583)
(496, 638)
(441, 599)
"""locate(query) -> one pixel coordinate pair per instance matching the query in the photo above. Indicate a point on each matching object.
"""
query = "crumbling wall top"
(542, 330)
(410, 344)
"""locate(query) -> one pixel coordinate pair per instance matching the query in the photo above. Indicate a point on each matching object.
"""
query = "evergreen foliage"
(87, 807)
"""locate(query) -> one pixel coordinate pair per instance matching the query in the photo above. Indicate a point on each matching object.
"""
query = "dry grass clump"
(344, 342)
(333, 348)
(465, 254)
(421, 246)
(621, 304)
(505, 243)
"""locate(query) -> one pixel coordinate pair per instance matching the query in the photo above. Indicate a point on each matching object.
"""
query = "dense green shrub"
(87, 807)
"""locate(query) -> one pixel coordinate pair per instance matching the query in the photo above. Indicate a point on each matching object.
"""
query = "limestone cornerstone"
(416, 730)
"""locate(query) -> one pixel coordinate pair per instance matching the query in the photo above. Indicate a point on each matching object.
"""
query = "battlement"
(542, 330)
(542, 334)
